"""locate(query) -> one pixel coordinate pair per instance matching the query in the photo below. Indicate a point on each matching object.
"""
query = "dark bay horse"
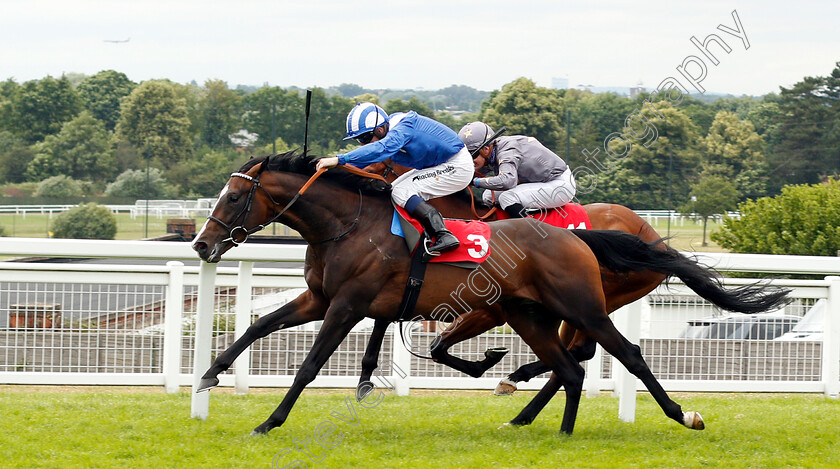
(619, 289)
(355, 268)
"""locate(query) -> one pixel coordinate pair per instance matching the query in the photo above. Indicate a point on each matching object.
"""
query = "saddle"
(571, 216)
(474, 236)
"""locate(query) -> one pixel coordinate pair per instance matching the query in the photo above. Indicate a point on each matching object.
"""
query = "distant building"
(637, 90)
(558, 83)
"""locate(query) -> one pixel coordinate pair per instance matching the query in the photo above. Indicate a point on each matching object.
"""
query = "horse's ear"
(264, 164)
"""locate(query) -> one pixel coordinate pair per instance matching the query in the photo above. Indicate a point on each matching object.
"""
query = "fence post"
(173, 312)
(831, 339)
(242, 365)
(200, 405)
(401, 358)
(594, 368)
(628, 321)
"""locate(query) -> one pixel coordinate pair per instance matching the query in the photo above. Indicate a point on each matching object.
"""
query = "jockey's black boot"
(432, 222)
(516, 211)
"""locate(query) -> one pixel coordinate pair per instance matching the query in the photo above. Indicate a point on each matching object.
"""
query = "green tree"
(15, 155)
(221, 109)
(132, 183)
(82, 150)
(154, 120)
(43, 106)
(802, 220)
(526, 109)
(349, 90)
(413, 104)
(274, 112)
(700, 113)
(86, 221)
(809, 131)
(204, 174)
(9, 92)
(102, 94)
(733, 150)
(58, 187)
(653, 177)
(712, 195)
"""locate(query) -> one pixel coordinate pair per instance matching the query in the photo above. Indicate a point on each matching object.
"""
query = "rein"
(233, 230)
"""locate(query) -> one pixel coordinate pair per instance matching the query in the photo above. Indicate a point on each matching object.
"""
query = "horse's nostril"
(200, 246)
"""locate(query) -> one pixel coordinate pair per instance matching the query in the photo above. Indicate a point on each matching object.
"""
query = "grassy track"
(142, 427)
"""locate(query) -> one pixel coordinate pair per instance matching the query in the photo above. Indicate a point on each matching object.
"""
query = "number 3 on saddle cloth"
(474, 236)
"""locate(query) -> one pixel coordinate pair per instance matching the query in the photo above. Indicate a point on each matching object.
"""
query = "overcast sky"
(420, 44)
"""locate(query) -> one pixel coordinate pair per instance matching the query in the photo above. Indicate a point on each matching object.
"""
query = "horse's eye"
(233, 197)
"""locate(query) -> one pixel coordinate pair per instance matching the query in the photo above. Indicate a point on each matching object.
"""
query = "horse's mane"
(300, 163)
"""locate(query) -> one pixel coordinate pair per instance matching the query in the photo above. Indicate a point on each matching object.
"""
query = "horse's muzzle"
(205, 253)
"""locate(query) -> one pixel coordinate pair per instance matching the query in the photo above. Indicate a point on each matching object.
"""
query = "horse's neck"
(328, 211)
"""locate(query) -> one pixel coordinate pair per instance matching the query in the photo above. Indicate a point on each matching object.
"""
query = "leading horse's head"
(243, 206)
(246, 204)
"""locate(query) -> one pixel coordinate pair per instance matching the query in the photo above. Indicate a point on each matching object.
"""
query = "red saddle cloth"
(474, 236)
(570, 216)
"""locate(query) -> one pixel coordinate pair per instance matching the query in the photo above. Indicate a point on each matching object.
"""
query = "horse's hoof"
(693, 420)
(260, 431)
(363, 390)
(506, 425)
(505, 387)
(207, 384)
(496, 353)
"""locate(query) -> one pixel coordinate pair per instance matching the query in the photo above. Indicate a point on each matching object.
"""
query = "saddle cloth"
(570, 216)
(474, 236)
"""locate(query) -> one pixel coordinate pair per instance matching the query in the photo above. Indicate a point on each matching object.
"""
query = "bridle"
(233, 229)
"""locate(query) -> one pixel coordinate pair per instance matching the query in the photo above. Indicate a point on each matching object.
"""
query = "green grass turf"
(143, 427)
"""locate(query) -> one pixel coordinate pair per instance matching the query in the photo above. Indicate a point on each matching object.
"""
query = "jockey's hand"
(326, 163)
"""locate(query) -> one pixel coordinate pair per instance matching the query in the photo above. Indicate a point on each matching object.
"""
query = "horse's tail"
(621, 252)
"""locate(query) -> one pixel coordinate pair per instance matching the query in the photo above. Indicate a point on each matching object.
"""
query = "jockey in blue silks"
(442, 165)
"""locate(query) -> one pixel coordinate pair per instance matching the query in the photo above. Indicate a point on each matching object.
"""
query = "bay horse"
(355, 268)
(619, 289)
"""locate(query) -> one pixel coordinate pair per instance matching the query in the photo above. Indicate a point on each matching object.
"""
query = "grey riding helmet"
(475, 135)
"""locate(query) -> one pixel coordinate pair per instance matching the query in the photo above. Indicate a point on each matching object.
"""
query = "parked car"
(740, 327)
(810, 328)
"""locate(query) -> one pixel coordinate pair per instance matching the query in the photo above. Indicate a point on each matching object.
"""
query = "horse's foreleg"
(305, 308)
(371, 359)
(466, 327)
(337, 324)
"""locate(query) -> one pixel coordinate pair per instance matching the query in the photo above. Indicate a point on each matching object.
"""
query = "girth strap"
(416, 274)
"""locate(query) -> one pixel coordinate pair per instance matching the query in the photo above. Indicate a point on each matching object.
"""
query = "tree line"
(96, 134)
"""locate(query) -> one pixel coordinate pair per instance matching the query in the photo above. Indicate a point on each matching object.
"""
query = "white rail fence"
(76, 323)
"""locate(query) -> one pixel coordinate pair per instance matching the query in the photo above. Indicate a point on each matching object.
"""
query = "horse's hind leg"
(538, 330)
(579, 345)
(305, 308)
(601, 328)
(466, 327)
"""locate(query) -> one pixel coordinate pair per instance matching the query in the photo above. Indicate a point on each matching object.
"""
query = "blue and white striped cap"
(363, 118)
